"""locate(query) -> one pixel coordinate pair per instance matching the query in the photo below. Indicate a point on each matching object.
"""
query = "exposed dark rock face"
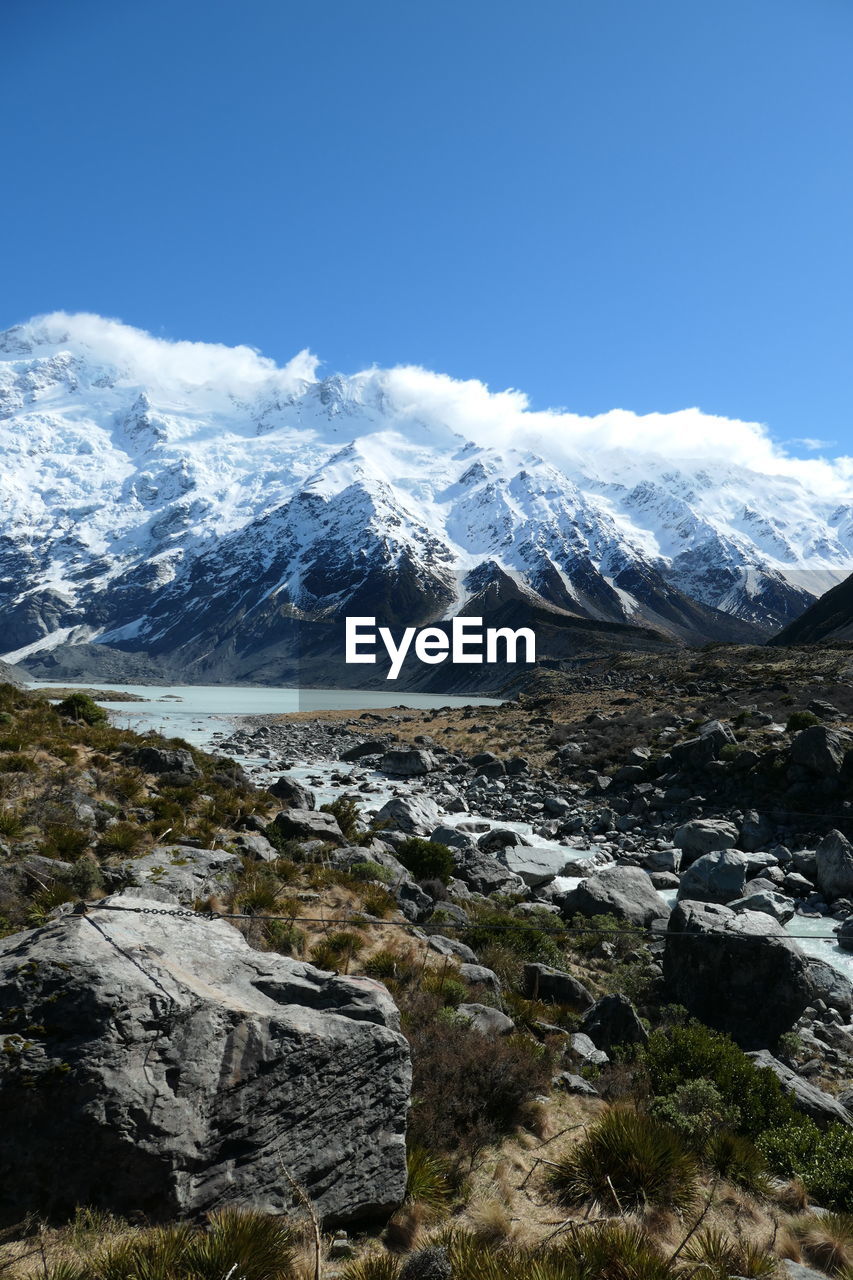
(174, 1069)
(737, 972)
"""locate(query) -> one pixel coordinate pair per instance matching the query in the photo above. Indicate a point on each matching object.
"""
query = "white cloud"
(811, 443)
(417, 395)
(161, 362)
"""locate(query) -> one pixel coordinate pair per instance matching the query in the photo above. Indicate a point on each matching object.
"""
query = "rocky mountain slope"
(829, 619)
(204, 507)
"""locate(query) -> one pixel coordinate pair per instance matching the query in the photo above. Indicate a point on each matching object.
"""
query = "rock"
(799, 1271)
(486, 875)
(158, 760)
(664, 880)
(452, 947)
(370, 747)
(401, 762)
(798, 886)
(612, 1021)
(414, 814)
(625, 892)
(820, 749)
(182, 873)
(256, 846)
(517, 765)
(432, 1263)
(845, 935)
(575, 1084)
(830, 985)
(535, 866)
(773, 904)
(755, 832)
(541, 982)
(834, 866)
(705, 835)
(414, 902)
(488, 1021)
(479, 975)
(292, 793)
(580, 1046)
(715, 877)
(695, 753)
(173, 1074)
(309, 824)
(500, 838)
(806, 1097)
(736, 971)
(452, 837)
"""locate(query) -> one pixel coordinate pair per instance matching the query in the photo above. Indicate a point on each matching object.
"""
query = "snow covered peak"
(126, 457)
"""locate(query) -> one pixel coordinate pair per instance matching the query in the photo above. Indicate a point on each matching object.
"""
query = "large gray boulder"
(159, 1065)
(715, 877)
(402, 762)
(160, 760)
(705, 835)
(486, 875)
(182, 874)
(806, 1097)
(293, 793)
(612, 1021)
(535, 866)
(834, 859)
(553, 986)
(845, 935)
(625, 892)
(417, 815)
(820, 749)
(773, 904)
(738, 972)
(309, 824)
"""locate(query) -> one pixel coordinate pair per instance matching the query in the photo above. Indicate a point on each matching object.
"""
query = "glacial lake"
(196, 711)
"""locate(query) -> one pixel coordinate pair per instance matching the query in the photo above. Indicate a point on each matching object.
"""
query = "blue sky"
(643, 204)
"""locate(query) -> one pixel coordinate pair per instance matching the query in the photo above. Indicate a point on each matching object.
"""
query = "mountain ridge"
(184, 500)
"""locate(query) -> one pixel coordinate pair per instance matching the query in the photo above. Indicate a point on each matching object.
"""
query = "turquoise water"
(196, 711)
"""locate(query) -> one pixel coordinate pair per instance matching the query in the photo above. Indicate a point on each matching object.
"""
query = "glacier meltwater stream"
(198, 713)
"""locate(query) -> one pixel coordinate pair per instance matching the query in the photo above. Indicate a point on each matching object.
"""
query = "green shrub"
(628, 1160)
(426, 859)
(695, 1109)
(81, 708)
(345, 809)
(798, 720)
(372, 871)
(823, 1159)
(679, 1055)
(526, 939)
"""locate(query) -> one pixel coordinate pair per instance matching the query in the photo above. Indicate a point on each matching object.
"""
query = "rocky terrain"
(501, 991)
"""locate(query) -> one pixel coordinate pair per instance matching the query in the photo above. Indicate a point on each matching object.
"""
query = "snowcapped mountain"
(203, 505)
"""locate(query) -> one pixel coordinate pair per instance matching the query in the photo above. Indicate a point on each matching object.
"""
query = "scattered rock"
(406, 763)
(807, 1097)
(309, 824)
(292, 793)
(834, 865)
(613, 1020)
(625, 892)
(715, 877)
(541, 982)
(488, 1021)
(414, 814)
(705, 835)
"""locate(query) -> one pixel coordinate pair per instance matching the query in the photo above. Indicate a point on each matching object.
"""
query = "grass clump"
(628, 1160)
(721, 1257)
(825, 1241)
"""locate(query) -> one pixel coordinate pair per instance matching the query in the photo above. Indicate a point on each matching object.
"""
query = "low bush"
(81, 708)
(426, 859)
(680, 1055)
(798, 720)
(345, 809)
(527, 940)
(823, 1158)
(628, 1160)
(468, 1089)
(695, 1109)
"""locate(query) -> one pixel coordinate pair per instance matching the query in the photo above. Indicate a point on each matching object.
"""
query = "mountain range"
(188, 509)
